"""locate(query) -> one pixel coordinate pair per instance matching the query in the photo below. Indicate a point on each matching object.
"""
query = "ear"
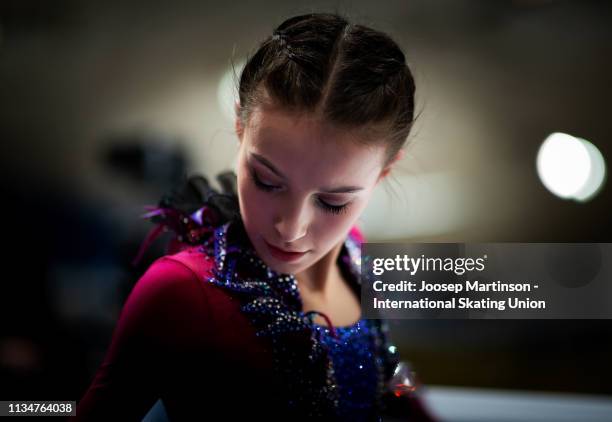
(387, 169)
(238, 123)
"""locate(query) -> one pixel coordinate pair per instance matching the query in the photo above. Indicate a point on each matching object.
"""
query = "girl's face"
(301, 186)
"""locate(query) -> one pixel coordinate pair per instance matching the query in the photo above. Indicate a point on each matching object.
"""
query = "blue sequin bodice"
(352, 354)
(325, 376)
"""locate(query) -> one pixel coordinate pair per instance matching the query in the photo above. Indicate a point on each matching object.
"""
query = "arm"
(151, 325)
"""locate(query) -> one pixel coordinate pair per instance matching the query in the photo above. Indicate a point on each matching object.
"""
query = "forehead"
(298, 144)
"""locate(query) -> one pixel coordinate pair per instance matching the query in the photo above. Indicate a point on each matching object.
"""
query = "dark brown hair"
(348, 75)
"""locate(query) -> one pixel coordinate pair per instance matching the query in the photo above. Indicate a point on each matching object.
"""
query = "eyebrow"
(267, 163)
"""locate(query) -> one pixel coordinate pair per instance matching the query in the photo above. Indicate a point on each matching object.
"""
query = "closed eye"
(332, 209)
(260, 184)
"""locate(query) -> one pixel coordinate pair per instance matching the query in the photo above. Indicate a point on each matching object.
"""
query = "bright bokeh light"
(597, 175)
(570, 167)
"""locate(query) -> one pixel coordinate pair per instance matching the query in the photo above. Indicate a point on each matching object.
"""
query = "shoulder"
(176, 291)
(193, 259)
(174, 276)
(169, 294)
(173, 273)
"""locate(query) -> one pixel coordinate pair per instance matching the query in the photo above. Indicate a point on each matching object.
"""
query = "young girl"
(255, 312)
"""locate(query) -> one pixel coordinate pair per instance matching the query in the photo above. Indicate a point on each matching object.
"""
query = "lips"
(283, 254)
(286, 251)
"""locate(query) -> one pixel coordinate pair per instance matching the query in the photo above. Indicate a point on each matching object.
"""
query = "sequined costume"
(210, 328)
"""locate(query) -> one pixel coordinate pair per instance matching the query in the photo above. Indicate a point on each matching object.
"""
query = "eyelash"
(333, 209)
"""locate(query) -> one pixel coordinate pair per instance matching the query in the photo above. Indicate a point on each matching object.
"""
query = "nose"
(292, 223)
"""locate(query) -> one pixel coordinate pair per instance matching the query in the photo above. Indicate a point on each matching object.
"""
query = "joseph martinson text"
(501, 304)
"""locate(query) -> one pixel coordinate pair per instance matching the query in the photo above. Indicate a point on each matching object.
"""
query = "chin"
(285, 267)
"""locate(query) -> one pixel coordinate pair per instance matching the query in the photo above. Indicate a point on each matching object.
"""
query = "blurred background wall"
(106, 105)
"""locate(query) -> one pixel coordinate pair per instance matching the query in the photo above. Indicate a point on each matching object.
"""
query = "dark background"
(105, 106)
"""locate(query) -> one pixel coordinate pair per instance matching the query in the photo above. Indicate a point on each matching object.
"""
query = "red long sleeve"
(182, 340)
(166, 313)
(187, 342)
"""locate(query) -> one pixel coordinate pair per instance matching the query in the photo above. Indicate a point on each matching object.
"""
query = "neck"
(318, 277)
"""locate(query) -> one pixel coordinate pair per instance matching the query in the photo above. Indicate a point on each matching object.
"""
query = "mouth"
(283, 254)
